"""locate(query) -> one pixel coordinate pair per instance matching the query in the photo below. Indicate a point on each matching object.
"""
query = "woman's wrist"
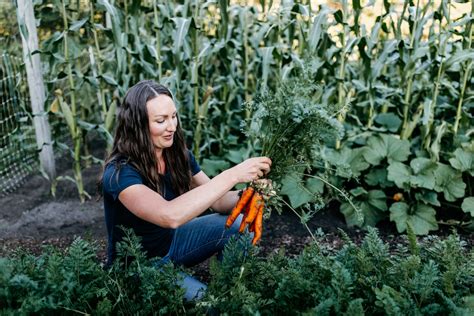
(231, 176)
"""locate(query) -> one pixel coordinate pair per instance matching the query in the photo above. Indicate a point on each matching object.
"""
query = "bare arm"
(224, 204)
(152, 207)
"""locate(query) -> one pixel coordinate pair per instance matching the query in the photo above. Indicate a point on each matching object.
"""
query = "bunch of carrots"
(251, 204)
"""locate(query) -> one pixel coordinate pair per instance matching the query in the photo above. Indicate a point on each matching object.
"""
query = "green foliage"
(420, 216)
(434, 277)
(289, 124)
(372, 204)
(403, 95)
(75, 282)
(355, 280)
(301, 191)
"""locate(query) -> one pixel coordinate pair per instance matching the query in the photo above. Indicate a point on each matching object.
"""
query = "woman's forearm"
(192, 203)
(226, 203)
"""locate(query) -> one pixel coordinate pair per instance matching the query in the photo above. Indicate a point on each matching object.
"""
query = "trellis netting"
(18, 153)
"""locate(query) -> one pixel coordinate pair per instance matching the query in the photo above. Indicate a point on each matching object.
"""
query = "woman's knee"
(234, 228)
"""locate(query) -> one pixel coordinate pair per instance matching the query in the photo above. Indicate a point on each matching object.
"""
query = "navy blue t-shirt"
(119, 175)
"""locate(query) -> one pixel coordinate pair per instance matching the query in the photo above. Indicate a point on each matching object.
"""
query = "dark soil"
(31, 218)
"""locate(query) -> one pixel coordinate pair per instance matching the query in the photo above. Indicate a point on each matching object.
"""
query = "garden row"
(432, 277)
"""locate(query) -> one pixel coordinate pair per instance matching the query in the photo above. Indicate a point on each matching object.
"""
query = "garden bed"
(30, 218)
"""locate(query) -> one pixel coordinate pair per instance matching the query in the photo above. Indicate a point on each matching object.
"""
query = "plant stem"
(398, 31)
(466, 75)
(461, 97)
(101, 92)
(158, 40)
(299, 216)
(348, 199)
(76, 132)
(371, 115)
(340, 84)
(246, 63)
(427, 136)
(195, 82)
(406, 101)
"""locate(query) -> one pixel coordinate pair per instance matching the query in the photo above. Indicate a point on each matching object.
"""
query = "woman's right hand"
(251, 169)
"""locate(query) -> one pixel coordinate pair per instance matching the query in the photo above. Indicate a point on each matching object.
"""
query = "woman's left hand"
(264, 186)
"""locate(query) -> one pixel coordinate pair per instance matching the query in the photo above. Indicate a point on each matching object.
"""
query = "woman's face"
(162, 119)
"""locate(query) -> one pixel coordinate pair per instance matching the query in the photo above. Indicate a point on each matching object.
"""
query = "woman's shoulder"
(119, 164)
(195, 168)
(119, 174)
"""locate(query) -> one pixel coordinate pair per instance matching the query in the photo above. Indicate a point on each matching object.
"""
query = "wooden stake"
(29, 38)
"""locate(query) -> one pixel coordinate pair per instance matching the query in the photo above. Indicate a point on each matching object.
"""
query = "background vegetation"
(402, 89)
(398, 91)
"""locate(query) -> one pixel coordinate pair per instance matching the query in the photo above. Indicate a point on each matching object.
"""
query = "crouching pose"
(152, 183)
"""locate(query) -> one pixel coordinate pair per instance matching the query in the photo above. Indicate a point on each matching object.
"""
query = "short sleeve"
(195, 168)
(115, 180)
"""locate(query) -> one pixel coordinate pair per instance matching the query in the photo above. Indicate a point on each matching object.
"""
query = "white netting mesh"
(18, 154)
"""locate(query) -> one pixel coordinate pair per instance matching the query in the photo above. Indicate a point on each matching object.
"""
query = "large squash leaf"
(386, 146)
(420, 175)
(212, 167)
(372, 204)
(463, 161)
(300, 191)
(468, 205)
(400, 174)
(420, 216)
(449, 181)
(423, 169)
(349, 162)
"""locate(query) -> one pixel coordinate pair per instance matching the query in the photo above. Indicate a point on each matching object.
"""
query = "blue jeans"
(196, 241)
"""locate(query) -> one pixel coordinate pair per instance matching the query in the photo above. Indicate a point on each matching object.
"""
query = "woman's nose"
(171, 126)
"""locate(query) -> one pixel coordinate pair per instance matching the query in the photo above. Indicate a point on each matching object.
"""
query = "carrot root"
(243, 224)
(258, 225)
(246, 196)
(255, 203)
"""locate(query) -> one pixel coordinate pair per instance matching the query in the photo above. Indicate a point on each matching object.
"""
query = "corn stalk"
(467, 73)
(430, 111)
(71, 114)
(341, 92)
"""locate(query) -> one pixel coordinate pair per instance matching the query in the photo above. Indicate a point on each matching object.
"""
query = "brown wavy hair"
(133, 143)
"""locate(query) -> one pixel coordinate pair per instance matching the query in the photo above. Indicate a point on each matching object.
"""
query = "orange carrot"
(252, 227)
(243, 224)
(246, 195)
(258, 225)
(255, 203)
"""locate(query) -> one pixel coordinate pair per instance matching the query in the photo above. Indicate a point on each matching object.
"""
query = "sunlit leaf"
(78, 24)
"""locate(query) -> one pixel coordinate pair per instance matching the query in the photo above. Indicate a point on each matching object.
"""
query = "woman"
(152, 184)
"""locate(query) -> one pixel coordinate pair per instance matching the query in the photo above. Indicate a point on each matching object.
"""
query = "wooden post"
(29, 38)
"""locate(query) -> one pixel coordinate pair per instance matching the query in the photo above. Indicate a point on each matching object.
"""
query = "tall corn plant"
(74, 72)
(395, 84)
(417, 75)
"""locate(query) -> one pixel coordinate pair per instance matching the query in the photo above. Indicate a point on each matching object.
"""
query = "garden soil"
(31, 218)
